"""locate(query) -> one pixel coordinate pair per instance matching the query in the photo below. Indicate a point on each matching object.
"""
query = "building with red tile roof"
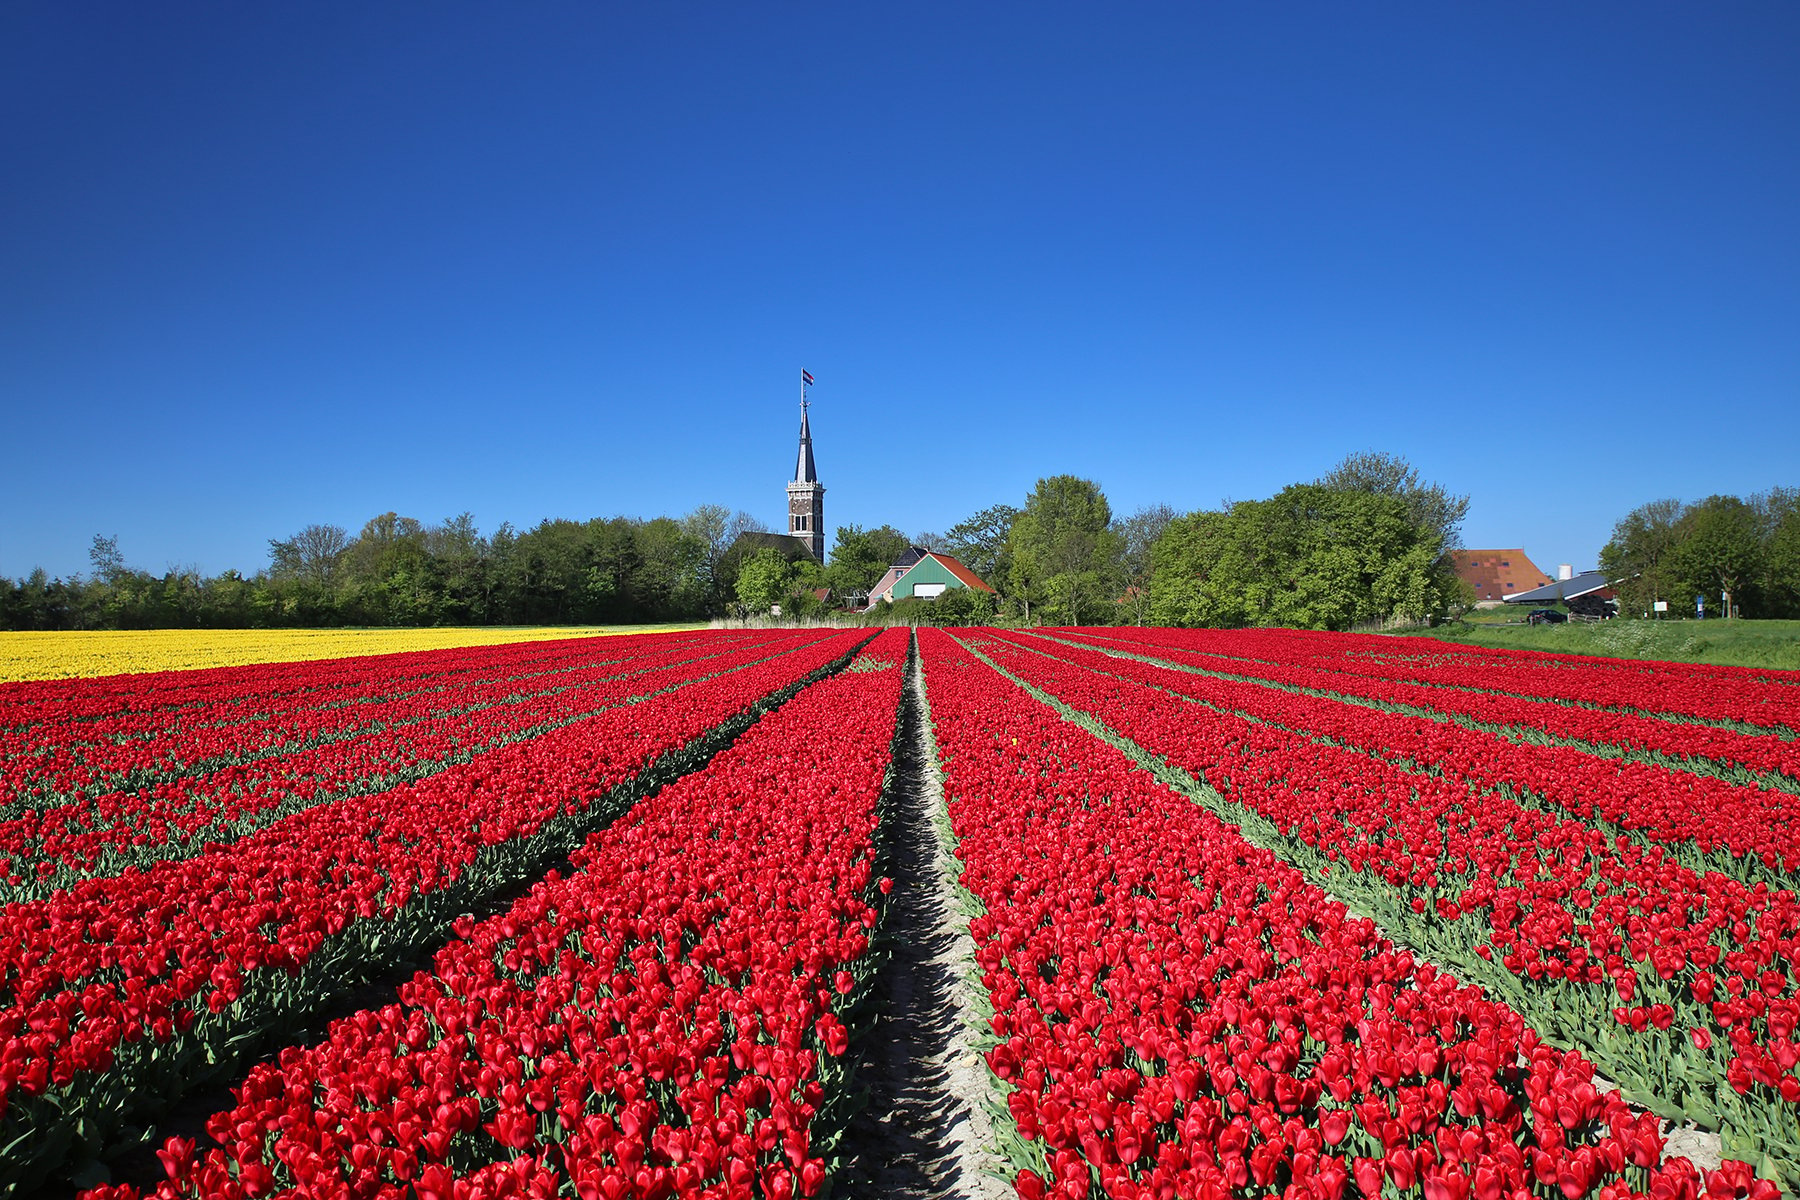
(925, 574)
(1494, 575)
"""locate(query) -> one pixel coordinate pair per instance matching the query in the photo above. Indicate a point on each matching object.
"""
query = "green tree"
(1719, 551)
(981, 542)
(963, 606)
(1779, 511)
(762, 581)
(1065, 554)
(1433, 509)
(673, 578)
(1184, 566)
(1138, 534)
(1639, 558)
(459, 558)
(109, 564)
(312, 554)
(860, 557)
(1310, 557)
(718, 528)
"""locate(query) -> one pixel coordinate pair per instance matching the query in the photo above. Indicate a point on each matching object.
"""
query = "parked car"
(1545, 616)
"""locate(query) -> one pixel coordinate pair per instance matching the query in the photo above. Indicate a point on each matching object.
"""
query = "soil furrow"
(924, 1130)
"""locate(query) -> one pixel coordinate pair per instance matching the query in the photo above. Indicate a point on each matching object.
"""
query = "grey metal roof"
(1562, 589)
(909, 556)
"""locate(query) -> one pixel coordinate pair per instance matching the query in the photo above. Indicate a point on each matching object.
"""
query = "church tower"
(806, 496)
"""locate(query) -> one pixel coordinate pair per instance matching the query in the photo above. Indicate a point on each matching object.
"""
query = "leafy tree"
(963, 606)
(460, 557)
(805, 578)
(708, 523)
(109, 564)
(1311, 557)
(1719, 551)
(1639, 559)
(981, 542)
(1138, 533)
(1185, 572)
(312, 554)
(35, 602)
(762, 581)
(1065, 554)
(1779, 511)
(1431, 507)
(717, 527)
(860, 557)
(673, 577)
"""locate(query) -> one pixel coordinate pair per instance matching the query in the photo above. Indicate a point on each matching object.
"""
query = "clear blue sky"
(263, 265)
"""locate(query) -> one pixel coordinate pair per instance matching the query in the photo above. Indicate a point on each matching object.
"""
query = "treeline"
(399, 571)
(1366, 544)
(1739, 553)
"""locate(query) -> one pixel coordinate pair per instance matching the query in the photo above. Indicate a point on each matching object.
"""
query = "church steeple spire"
(804, 470)
(806, 496)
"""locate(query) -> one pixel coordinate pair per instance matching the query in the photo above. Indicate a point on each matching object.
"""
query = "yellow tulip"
(34, 655)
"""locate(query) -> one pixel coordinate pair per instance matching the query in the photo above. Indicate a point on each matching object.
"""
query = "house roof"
(909, 556)
(885, 582)
(958, 568)
(1497, 574)
(1563, 589)
(955, 566)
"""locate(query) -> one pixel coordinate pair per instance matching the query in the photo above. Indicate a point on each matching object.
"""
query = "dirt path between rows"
(924, 1131)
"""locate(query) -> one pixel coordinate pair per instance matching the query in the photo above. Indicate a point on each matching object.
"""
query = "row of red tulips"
(667, 1020)
(172, 693)
(48, 850)
(125, 987)
(1679, 983)
(1709, 748)
(53, 761)
(1746, 831)
(1763, 699)
(1178, 1013)
(60, 764)
(47, 740)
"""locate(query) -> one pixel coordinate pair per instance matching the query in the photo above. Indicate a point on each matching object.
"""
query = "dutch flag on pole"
(806, 376)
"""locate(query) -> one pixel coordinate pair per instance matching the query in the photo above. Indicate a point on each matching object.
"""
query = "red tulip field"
(1241, 912)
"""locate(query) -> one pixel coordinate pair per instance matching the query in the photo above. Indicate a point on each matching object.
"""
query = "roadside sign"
(1662, 606)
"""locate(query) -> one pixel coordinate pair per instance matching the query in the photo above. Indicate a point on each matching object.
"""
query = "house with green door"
(924, 575)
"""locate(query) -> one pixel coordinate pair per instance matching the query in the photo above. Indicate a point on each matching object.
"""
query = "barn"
(1496, 575)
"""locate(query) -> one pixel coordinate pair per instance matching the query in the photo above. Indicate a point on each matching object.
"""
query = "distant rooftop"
(1562, 589)
(1497, 574)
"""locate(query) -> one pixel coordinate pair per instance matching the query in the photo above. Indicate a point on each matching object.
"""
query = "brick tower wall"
(806, 516)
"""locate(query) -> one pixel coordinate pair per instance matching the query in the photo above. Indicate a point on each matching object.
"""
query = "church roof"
(804, 470)
(791, 547)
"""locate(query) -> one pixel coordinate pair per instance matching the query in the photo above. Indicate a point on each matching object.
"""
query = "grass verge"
(1766, 644)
